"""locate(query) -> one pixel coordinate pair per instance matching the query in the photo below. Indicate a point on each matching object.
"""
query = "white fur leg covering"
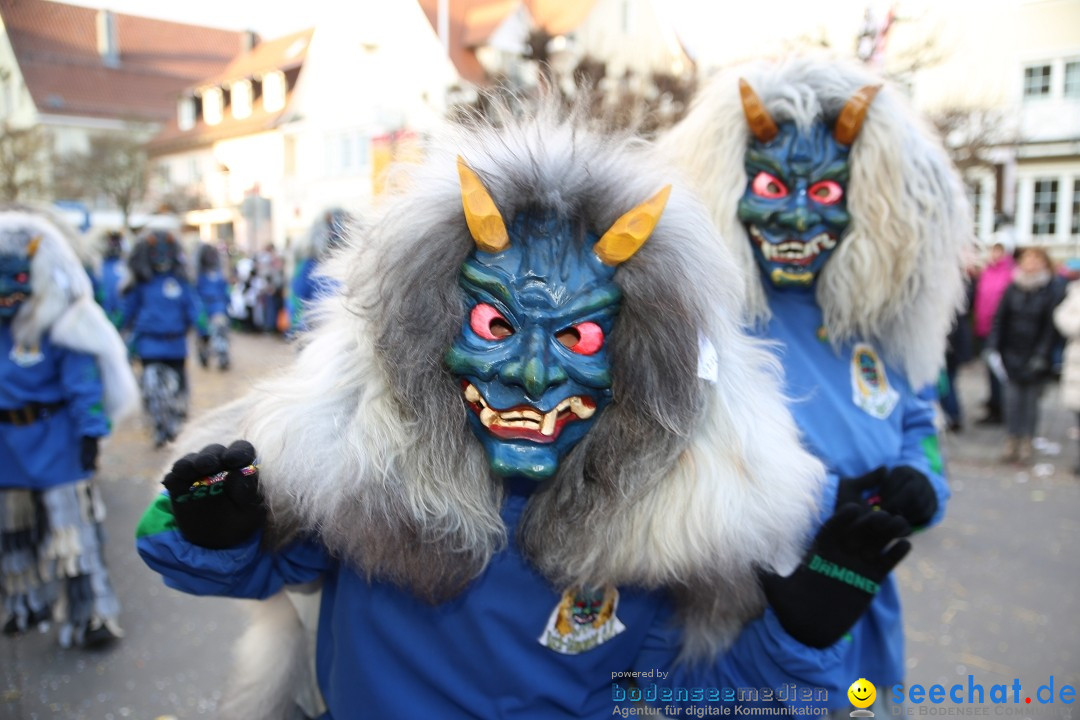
(273, 672)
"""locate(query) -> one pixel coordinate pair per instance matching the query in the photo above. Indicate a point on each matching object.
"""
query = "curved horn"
(627, 234)
(485, 223)
(32, 246)
(850, 120)
(757, 117)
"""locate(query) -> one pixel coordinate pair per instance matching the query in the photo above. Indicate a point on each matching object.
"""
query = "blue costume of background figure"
(308, 285)
(212, 287)
(857, 414)
(63, 369)
(159, 310)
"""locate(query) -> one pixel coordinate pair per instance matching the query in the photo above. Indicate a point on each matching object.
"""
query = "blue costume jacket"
(213, 291)
(161, 311)
(381, 652)
(856, 413)
(45, 453)
(107, 288)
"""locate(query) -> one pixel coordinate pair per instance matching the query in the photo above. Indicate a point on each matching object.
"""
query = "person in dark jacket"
(1023, 337)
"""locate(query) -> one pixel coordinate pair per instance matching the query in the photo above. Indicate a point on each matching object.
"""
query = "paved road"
(992, 592)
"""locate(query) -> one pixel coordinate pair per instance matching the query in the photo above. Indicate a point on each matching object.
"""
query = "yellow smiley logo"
(862, 693)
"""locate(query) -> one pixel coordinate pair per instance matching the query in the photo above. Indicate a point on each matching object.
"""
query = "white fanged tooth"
(471, 393)
(548, 428)
(488, 416)
(580, 409)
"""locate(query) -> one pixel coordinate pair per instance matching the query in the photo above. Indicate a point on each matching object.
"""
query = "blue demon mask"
(164, 252)
(532, 355)
(795, 203)
(15, 280)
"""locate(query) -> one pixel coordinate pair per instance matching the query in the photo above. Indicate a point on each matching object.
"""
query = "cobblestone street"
(992, 592)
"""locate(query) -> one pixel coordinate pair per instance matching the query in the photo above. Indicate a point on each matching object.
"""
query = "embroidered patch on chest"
(870, 389)
(583, 619)
(26, 356)
(171, 289)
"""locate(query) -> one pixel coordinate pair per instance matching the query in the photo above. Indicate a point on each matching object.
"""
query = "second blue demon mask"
(532, 355)
(795, 204)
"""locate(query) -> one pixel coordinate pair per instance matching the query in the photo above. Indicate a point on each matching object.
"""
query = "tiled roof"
(473, 21)
(285, 53)
(56, 48)
(280, 53)
(172, 139)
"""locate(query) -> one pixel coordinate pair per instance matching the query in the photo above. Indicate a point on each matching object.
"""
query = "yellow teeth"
(527, 418)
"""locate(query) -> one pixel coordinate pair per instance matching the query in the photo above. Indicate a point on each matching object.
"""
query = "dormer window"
(273, 88)
(241, 99)
(213, 106)
(186, 113)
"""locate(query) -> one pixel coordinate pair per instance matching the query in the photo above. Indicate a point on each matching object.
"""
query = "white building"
(302, 123)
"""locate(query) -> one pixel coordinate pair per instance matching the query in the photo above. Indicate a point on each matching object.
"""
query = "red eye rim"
(22, 277)
(761, 184)
(489, 323)
(833, 189)
(583, 338)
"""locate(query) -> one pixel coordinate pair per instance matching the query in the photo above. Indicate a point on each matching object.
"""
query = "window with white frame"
(1072, 79)
(1044, 207)
(1036, 81)
(213, 106)
(241, 99)
(1074, 224)
(186, 113)
(346, 152)
(273, 91)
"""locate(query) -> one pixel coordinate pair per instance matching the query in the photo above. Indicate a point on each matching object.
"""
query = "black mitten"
(88, 452)
(839, 576)
(215, 495)
(861, 490)
(908, 493)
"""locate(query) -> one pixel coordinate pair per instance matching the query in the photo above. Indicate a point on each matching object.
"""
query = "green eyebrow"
(759, 158)
(836, 171)
(486, 280)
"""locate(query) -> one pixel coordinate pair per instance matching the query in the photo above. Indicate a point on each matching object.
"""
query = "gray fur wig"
(684, 483)
(61, 303)
(896, 278)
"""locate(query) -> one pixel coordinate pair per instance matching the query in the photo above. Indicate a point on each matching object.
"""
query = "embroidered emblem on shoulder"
(26, 356)
(870, 389)
(583, 619)
(171, 289)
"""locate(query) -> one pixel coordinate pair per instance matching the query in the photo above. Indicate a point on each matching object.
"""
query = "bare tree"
(972, 134)
(114, 167)
(23, 163)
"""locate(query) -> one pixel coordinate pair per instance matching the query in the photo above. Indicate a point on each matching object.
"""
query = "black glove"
(839, 576)
(215, 495)
(908, 493)
(88, 451)
(862, 490)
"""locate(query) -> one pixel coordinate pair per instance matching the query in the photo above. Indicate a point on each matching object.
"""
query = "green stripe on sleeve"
(157, 519)
(932, 451)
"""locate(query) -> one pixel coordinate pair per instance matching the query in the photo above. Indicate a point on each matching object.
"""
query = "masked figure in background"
(159, 310)
(527, 446)
(64, 377)
(308, 283)
(112, 277)
(849, 222)
(213, 289)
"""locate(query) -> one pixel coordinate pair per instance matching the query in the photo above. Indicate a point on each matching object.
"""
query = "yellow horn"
(32, 246)
(626, 236)
(757, 117)
(850, 120)
(485, 222)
